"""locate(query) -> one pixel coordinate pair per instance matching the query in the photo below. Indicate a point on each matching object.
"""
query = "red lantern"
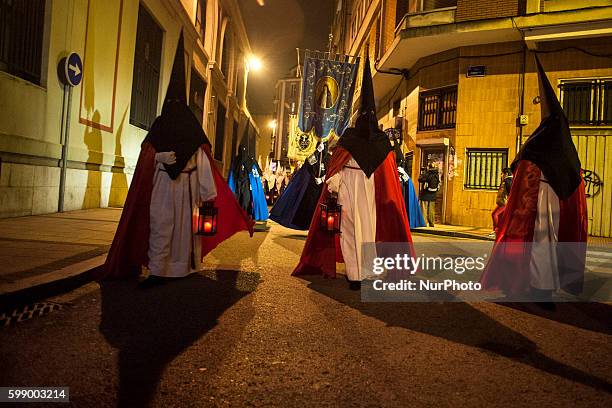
(331, 215)
(207, 219)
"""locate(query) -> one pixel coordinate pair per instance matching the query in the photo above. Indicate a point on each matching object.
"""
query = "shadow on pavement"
(152, 326)
(459, 323)
(293, 243)
(596, 317)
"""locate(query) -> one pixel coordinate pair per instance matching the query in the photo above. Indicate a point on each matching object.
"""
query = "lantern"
(207, 219)
(331, 214)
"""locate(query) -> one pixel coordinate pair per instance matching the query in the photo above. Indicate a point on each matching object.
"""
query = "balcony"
(425, 13)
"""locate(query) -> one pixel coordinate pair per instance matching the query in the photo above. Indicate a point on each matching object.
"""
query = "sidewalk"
(48, 249)
(457, 231)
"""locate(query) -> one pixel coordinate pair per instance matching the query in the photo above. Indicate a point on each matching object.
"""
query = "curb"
(453, 234)
(53, 283)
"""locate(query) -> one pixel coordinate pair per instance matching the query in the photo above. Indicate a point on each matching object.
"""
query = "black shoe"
(152, 281)
(355, 285)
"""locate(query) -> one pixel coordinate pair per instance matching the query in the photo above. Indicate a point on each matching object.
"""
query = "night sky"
(275, 30)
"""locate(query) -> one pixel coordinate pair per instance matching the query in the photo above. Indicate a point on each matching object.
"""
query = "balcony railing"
(419, 13)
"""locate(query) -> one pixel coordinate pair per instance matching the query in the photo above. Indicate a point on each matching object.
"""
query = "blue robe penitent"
(258, 196)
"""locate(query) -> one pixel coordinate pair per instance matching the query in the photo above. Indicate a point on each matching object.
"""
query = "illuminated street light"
(254, 63)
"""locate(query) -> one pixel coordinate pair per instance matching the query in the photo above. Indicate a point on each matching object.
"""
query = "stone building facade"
(127, 48)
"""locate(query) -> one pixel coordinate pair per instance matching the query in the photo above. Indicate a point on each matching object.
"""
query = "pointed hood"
(177, 129)
(368, 145)
(177, 88)
(550, 146)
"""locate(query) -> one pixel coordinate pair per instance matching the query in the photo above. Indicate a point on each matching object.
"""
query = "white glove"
(333, 183)
(403, 175)
(166, 157)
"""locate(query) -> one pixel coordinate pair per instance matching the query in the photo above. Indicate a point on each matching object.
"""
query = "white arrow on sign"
(75, 69)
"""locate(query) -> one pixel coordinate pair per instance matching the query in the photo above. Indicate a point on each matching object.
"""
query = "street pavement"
(245, 333)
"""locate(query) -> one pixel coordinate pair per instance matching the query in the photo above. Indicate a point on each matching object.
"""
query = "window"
(200, 22)
(401, 8)
(220, 132)
(483, 168)
(239, 83)
(234, 139)
(197, 90)
(226, 53)
(377, 40)
(147, 63)
(396, 107)
(587, 102)
(438, 109)
(21, 35)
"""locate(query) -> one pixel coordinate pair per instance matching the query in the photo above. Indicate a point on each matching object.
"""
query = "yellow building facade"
(127, 48)
(462, 77)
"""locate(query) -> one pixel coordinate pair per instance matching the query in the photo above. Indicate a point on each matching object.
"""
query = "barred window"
(587, 102)
(438, 109)
(21, 35)
(484, 167)
(147, 64)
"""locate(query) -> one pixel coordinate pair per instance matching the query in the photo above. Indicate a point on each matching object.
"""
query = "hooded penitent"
(246, 182)
(551, 147)
(542, 229)
(296, 205)
(368, 145)
(176, 129)
(322, 250)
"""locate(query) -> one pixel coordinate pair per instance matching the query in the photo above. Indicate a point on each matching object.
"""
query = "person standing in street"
(430, 180)
(541, 242)
(175, 174)
(363, 175)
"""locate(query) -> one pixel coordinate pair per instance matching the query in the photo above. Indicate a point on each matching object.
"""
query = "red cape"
(322, 250)
(508, 267)
(128, 251)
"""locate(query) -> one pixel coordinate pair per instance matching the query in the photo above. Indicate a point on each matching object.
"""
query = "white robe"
(171, 238)
(543, 266)
(356, 195)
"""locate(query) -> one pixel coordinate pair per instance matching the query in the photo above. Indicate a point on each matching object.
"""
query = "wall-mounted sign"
(71, 69)
(475, 71)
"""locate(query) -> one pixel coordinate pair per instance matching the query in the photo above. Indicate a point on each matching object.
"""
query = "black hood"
(177, 129)
(550, 146)
(368, 145)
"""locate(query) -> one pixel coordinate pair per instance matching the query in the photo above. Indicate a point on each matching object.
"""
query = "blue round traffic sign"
(73, 69)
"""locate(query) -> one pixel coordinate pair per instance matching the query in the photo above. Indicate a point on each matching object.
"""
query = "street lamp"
(254, 63)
